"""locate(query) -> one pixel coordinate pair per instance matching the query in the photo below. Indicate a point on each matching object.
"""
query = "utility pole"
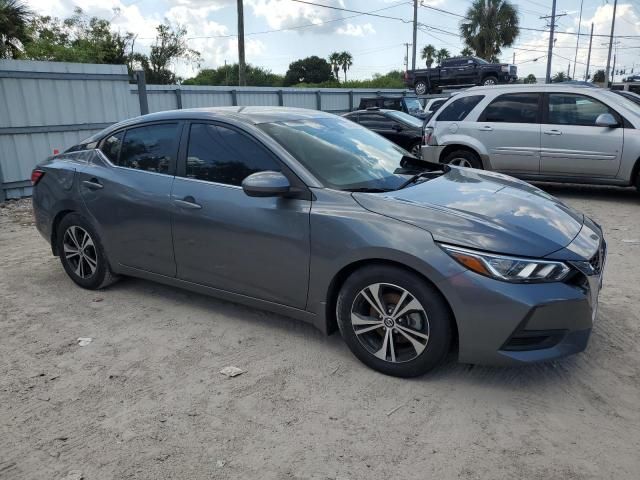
(406, 57)
(586, 75)
(551, 39)
(575, 60)
(514, 58)
(415, 33)
(613, 26)
(242, 81)
(569, 71)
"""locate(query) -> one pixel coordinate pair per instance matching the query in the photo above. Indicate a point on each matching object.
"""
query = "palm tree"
(466, 52)
(442, 54)
(334, 60)
(14, 22)
(428, 52)
(490, 25)
(560, 77)
(531, 78)
(346, 60)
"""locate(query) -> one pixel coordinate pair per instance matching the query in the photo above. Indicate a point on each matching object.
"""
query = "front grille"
(513, 70)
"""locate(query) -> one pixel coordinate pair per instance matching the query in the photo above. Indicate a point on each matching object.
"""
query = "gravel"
(145, 399)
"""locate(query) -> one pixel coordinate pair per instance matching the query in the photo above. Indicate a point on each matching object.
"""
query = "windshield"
(413, 105)
(481, 61)
(406, 118)
(341, 154)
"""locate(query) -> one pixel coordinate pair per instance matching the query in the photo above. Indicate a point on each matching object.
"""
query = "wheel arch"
(341, 276)
(54, 229)
(459, 146)
(635, 174)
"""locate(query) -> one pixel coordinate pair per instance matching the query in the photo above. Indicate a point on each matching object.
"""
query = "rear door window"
(152, 148)
(513, 108)
(375, 121)
(459, 109)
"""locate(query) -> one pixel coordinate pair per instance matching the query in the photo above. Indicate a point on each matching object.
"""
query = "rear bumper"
(431, 153)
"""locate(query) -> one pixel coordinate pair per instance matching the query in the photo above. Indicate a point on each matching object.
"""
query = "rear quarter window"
(458, 110)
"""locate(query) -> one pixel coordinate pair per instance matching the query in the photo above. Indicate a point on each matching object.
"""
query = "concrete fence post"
(318, 100)
(234, 98)
(178, 97)
(142, 92)
(351, 100)
(280, 98)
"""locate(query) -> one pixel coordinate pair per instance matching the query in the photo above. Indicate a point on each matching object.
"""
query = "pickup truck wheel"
(421, 87)
(490, 81)
(463, 158)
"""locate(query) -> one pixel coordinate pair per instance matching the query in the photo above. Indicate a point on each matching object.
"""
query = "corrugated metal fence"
(48, 106)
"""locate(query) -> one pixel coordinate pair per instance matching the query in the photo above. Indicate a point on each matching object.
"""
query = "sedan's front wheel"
(394, 321)
(81, 253)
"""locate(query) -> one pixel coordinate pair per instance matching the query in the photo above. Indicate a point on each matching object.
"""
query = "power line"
(371, 14)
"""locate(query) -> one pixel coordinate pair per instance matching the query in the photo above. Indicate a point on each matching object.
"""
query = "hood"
(483, 210)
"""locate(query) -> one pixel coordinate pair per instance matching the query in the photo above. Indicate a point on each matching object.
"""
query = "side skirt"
(284, 310)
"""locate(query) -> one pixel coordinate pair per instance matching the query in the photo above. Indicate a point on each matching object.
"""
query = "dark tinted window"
(513, 108)
(111, 147)
(453, 63)
(375, 121)
(151, 148)
(391, 103)
(459, 109)
(221, 155)
(569, 109)
(368, 103)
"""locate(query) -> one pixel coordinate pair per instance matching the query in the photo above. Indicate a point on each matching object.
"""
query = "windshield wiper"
(417, 177)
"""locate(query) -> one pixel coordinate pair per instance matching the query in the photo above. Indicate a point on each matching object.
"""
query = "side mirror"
(266, 184)
(606, 120)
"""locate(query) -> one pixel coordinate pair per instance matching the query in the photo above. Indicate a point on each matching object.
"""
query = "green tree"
(14, 32)
(442, 54)
(228, 74)
(428, 53)
(598, 77)
(170, 45)
(334, 61)
(466, 52)
(308, 70)
(346, 60)
(490, 25)
(79, 38)
(531, 78)
(560, 77)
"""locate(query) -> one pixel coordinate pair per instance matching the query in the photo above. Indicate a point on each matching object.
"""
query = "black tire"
(463, 158)
(437, 326)
(416, 146)
(638, 182)
(490, 80)
(421, 87)
(80, 267)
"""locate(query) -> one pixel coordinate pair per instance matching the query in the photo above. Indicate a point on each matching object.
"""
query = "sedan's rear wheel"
(394, 321)
(81, 253)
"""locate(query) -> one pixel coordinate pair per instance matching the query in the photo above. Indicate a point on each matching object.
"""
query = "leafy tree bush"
(308, 70)
(228, 75)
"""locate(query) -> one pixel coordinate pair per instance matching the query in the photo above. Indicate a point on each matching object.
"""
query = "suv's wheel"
(463, 158)
(394, 321)
(490, 81)
(416, 149)
(81, 253)
(421, 87)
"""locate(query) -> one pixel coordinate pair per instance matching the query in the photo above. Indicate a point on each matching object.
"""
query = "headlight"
(508, 269)
(505, 68)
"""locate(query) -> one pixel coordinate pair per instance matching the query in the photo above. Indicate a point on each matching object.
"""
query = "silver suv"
(540, 132)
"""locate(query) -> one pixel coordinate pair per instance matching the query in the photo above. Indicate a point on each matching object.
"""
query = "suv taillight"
(428, 138)
(36, 176)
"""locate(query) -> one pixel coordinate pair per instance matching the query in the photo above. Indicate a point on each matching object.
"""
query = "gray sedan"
(309, 215)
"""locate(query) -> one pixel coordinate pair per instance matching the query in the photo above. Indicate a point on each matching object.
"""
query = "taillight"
(428, 136)
(36, 176)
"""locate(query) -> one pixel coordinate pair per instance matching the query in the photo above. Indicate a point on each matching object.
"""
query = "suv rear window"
(513, 108)
(459, 108)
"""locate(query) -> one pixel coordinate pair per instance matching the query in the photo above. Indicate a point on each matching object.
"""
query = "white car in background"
(548, 132)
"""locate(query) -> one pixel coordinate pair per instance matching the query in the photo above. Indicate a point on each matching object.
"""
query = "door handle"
(187, 202)
(485, 128)
(552, 132)
(93, 184)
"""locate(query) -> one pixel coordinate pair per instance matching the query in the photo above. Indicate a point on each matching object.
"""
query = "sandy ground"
(145, 400)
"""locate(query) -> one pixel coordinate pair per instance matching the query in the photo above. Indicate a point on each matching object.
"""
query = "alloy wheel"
(421, 88)
(415, 150)
(80, 251)
(490, 81)
(390, 322)
(461, 162)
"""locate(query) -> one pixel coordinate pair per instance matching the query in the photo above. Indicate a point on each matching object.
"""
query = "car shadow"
(591, 192)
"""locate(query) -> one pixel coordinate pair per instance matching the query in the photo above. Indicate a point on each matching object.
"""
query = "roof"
(253, 115)
(533, 86)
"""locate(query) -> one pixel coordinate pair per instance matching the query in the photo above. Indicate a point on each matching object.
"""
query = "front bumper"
(502, 323)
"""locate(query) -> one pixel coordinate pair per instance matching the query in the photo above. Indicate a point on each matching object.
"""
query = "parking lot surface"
(144, 399)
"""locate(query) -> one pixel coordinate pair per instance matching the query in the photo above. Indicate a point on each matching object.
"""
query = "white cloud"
(356, 30)
(287, 14)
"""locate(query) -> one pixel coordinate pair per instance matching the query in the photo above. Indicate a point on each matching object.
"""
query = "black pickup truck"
(459, 72)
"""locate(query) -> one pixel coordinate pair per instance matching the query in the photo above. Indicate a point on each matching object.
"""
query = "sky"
(377, 44)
